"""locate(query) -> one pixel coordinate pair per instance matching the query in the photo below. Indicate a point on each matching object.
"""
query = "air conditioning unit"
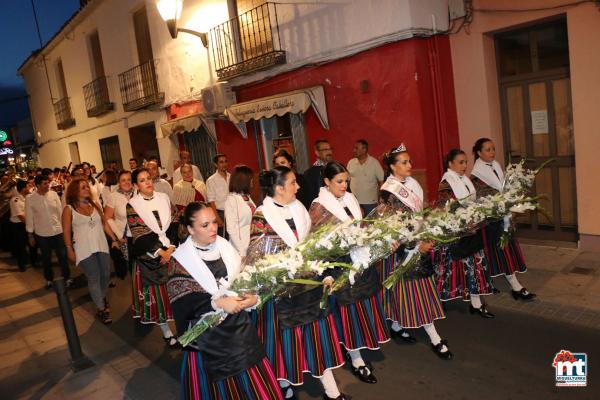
(217, 98)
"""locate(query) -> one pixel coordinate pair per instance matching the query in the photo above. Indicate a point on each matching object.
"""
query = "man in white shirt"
(366, 176)
(43, 212)
(17, 220)
(160, 185)
(217, 189)
(185, 158)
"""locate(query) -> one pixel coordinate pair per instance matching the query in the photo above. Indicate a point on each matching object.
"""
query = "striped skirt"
(312, 348)
(361, 325)
(502, 261)
(460, 278)
(256, 383)
(150, 303)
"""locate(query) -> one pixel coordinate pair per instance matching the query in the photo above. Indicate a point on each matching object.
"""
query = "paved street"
(506, 358)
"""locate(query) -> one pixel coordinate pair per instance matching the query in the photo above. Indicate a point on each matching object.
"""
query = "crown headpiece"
(399, 149)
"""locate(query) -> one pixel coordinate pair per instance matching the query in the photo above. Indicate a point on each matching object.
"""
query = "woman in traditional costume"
(461, 268)
(298, 335)
(357, 308)
(413, 301)
(227, 361)
(148, 218)
(488, 178)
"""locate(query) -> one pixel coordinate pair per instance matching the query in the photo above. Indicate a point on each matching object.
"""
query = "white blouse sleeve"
(232, 219)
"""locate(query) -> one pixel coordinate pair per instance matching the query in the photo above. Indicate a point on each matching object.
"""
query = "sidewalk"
(34, 357)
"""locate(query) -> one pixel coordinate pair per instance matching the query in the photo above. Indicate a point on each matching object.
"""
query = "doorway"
(143, 142)
(110, 152)
(537, 123)
(74, 153)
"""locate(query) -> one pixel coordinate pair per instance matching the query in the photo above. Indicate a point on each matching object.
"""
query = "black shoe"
(172, 342)
(437, 349)
(404, 335)
(342, 396)
(523, 294)
(104, 316)
(365, 374)
(284, 392)
(346, 354)
(482, 311)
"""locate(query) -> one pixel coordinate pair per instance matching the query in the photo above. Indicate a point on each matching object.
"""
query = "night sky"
(17, 40)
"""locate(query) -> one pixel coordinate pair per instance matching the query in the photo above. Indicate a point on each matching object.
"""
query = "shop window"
(286, 132)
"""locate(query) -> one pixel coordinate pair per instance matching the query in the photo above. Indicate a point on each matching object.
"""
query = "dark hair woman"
(488, 178)
(239, 208)
(282, 158)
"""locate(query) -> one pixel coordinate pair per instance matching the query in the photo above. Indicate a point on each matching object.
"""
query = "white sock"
(514, 282)
(289, 392)
(166, 330)
(356, 358)
(396, 326)
(434, 336)
(329, 384)
(476, 301)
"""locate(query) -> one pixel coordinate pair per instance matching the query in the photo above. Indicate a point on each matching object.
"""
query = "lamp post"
(170, 11)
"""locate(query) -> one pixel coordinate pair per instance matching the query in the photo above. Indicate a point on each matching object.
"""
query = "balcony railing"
(63, 114)
(247, 43)
(97, 101)
(139, 87)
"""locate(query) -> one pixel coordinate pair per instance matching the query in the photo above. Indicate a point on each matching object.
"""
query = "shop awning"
(297, 101)
(189, 123)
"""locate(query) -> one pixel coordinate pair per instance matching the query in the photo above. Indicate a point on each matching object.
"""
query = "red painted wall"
(410, 99)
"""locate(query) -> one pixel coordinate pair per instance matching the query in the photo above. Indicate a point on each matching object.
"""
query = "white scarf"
(461, 184)
(274, 217)
(485, 172)
(334, 206)
(140, 205)
(185, 192)
(410, 192)
(188, 256)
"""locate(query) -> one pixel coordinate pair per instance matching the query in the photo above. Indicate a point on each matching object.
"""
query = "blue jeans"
(46, 245)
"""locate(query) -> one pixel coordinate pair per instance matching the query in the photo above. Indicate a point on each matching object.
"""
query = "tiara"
(399, 149)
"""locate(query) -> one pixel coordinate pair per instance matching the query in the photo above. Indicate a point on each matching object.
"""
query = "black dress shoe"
(342, 396)
(437, 349)
(404, 335)
(364, 374)
(523, 294)
(482, 311)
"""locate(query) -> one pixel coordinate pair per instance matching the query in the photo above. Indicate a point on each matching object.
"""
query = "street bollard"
(78, 360)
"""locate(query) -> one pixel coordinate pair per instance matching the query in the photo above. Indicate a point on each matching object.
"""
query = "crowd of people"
(182, 238)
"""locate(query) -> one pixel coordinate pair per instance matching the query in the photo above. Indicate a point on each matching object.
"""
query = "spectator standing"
(217, 189)
(115, 215)
(239, 208)
(160, 185)
(185, 158)
(133, 164)
(366, 176)
(43, 224)
(314, 175)
(109, 185)
(17, 219)
(85, 240)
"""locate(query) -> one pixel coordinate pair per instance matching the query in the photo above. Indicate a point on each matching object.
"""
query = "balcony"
(247, 43)
(63, 114)
(97, 101)
(139, 87)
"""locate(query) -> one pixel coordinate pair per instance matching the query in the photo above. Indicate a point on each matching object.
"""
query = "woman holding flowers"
(488, 178)
(461, 267)
(413, 301)
(227, 361)
(297, 334)
(357, 308)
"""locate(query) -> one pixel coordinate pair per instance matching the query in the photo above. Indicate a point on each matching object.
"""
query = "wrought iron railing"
(63, 114)
(97, 101)
(139, 87)
(247, 43)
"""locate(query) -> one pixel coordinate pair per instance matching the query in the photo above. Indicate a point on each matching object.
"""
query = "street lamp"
(170, 11)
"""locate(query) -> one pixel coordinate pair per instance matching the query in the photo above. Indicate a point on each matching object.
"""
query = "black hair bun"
(267, 179)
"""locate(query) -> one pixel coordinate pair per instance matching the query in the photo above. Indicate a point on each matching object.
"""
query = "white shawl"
(334, 206)
(485, 172)
(185, 192)
(274, 217)
(188, 256)
(410, 192)
(164, 212)
(461, 185)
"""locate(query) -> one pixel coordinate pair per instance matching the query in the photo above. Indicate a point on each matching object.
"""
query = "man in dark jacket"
(314, 175)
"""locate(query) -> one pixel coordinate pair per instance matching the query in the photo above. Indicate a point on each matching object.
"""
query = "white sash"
(301, 218)
(461, 185)
(164, 212)
(485, 172)
(334, 206)
(188, 256)
(410, 192)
